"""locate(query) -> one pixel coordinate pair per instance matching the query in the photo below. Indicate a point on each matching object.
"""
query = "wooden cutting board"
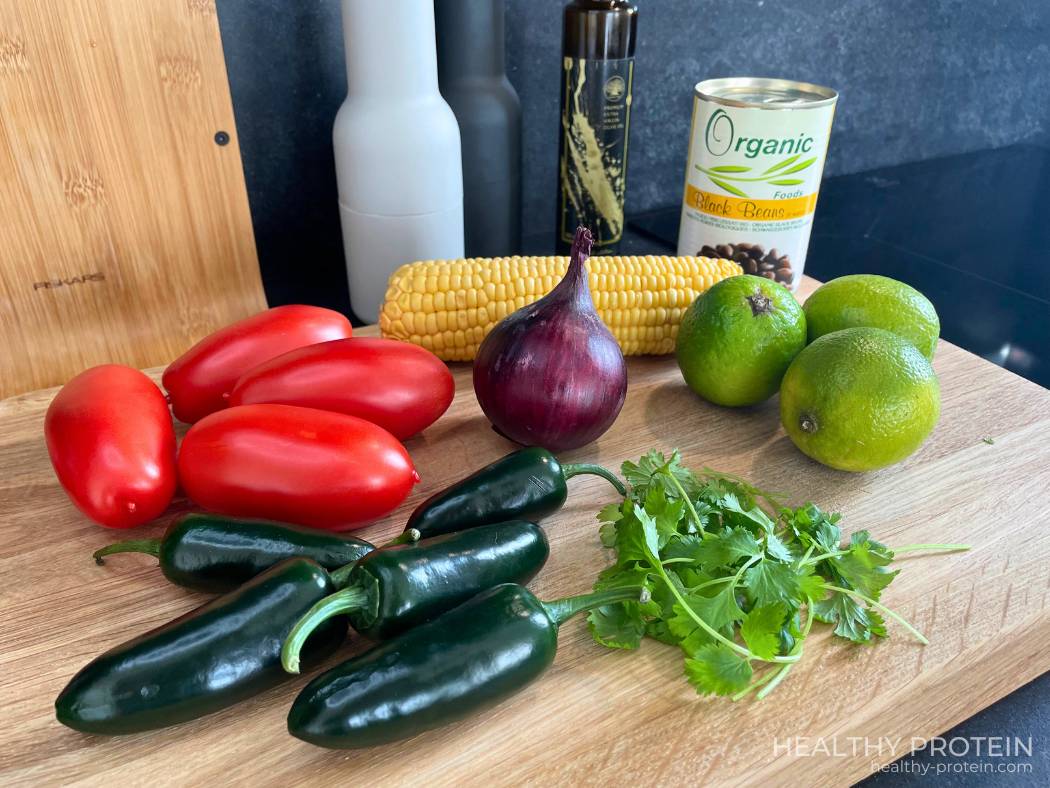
(598, 716)
(124, 227)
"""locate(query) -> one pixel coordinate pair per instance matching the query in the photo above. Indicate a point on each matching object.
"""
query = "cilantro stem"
(740, 572)
(776, 675)
(782, 672)
(882, 608)
(823, 556)
(744, 652)
(678, 561)
(688, 504)
(714, 582)
(908, 548)
(764, 678)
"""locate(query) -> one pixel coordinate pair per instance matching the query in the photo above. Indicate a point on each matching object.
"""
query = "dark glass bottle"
(597, 77)
(471, 71)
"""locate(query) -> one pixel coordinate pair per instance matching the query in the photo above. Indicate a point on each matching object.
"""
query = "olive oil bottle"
(598, 40)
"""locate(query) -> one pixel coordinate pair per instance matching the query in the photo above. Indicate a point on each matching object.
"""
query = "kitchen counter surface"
(597, 716)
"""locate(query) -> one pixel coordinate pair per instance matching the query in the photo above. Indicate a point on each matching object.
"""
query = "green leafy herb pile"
(736, 578)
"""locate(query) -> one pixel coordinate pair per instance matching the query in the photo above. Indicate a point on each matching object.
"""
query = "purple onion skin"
(551, 374)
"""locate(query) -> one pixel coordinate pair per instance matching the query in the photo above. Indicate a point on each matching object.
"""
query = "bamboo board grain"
(124, 228)
(598, 717)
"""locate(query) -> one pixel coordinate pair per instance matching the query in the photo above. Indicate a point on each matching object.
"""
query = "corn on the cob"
(448, 306)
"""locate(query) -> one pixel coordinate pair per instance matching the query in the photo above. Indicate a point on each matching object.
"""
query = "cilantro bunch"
(735, 578)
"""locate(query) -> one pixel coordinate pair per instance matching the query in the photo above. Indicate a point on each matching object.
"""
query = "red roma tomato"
(198, 378)
(296, 465)
(401, 387)
(112, 445)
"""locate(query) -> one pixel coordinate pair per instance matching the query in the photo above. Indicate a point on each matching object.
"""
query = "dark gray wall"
(918, 79)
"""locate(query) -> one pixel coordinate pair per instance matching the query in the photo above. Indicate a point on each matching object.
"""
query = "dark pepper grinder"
(597, 77)
(473, 80)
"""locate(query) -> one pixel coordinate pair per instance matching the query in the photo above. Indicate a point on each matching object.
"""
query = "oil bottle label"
(595, 118)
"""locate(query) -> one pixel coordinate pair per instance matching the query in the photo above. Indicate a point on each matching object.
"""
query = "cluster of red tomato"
(293, 420)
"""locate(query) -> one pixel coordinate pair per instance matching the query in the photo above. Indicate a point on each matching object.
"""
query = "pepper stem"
(341, 576)
(345, 601)
(561, 610)
(586, 468)
(147, 546)
(410, 536)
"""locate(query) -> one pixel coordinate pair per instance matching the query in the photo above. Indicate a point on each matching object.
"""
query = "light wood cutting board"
(598, 717)
(124, 227)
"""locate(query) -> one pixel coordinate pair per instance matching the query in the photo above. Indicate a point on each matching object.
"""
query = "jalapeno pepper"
(472, 657)
(210, 552)
(210, 658)
(394, 588)
(528, 484)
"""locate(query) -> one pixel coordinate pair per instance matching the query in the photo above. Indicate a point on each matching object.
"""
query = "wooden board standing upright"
(124, 226)
(597, 717)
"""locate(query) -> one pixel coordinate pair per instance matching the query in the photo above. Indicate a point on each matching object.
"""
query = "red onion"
(551, 374)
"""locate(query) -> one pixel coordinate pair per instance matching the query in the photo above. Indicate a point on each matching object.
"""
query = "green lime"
(737, 339)
(876, 301)
(859, 399)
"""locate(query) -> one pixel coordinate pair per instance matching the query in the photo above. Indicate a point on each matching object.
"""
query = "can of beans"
(756, 156)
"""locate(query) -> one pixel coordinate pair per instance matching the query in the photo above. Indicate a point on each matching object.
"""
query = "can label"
(751, 185)
(595, 122)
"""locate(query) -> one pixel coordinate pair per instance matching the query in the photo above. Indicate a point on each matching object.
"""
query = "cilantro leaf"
(810, 584)
(828, 536)
(640, 474)
(863, 568)
(713, 553)
(851, 620)
(650, 535)
(731, 503)
(611, 513)
(666, 512)
(654, 469)
(619, 577)
(776, 547)
(771, 581)
(683, 546)
(657, 629)
(609, 516)
(740, 543)
(761, 629)
(718, 611)
(717, 670)
(790, 633)
(617, 626)
(877, 624)
(630, 543)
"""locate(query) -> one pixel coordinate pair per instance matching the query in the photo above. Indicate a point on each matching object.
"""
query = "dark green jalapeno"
(471, 657)
(528, 484)
(219, 654)
(210, 552)
(398, 587)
